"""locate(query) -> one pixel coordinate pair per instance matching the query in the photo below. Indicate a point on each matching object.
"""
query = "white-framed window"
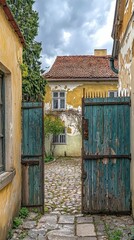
(112, 93)
(58, 100)
(60, 139)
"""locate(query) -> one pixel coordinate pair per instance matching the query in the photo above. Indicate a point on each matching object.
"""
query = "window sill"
(6, 178)
(59, 143)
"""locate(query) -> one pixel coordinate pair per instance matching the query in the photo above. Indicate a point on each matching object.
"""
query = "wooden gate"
(106, 155)
(33, 155)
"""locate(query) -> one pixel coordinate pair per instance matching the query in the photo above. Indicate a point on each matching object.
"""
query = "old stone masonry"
(63, 219)
(68, 227)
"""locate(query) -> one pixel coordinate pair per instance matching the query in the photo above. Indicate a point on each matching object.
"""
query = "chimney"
(100, 52)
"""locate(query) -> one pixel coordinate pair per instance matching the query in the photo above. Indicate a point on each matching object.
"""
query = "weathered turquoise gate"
(33, 155)
(106, 155)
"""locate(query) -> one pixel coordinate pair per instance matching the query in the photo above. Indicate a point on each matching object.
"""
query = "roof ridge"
(82, 56)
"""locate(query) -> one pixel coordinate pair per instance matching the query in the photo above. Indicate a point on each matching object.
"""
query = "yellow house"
(11, 45)
(123, 49)
(66, 80)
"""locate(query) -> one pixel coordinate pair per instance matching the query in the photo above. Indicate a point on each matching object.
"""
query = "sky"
(73, 27)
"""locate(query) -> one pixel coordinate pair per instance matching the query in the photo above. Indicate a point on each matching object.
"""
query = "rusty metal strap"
(30, 162)
(31, 156)
(106, 103)
(94, 157)
(31, 107)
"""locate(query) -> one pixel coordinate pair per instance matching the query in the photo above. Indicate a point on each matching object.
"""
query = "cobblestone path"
(63, 220)
(63, 186)
(70, 227)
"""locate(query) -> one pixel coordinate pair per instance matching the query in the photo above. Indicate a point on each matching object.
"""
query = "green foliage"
(23, 213)
(53, 125)
(49, 158)
(46, 210)
(17, 222)
(10, 234)
(131, 233)
(115, 234)
(33, 84)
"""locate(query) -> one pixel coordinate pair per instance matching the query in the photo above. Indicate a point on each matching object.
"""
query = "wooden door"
(33, 155)
(106, 155)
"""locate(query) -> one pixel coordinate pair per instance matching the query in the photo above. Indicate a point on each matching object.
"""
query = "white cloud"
(74, 27)
(103, 35)
(66, 37)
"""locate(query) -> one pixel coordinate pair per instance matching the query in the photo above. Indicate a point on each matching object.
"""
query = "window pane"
(62, 94)
(62, 138)
(55, 139)
(111, 94)
(55, 94)
(62, 103)
(55, 103)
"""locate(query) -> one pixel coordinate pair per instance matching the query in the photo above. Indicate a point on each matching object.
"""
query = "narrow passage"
(63, 186)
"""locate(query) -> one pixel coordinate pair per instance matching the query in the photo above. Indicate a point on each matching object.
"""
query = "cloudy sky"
(74, 27)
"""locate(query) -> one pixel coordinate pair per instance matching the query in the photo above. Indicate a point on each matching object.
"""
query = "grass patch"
(23, 213)
(49, 158)
(115, 234)
(17, 222)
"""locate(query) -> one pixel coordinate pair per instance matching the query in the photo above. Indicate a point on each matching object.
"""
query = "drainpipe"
(112, 65)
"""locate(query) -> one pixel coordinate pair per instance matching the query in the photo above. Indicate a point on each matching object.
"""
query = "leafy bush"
(52, 126)
(17, 222)
(49, 158)
(23, 213)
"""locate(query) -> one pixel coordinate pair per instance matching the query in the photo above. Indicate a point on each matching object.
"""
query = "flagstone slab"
(66, 219)
(85, 230)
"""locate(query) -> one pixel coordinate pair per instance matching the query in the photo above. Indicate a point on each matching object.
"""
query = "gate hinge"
(84, 175)
(85, 129)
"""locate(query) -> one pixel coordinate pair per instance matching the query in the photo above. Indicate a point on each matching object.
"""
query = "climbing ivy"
(33, 84)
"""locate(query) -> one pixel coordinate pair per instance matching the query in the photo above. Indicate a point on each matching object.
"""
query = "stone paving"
(62, 219)
(75, 227)
(63, 186)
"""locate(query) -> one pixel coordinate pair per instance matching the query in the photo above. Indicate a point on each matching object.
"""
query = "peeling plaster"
(125, 61)
(47, 107)
(64, 86)
(71, 123)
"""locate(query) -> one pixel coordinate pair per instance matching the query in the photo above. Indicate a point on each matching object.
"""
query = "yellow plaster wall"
(71, 116)
(126, 18)
(73, 97)
(10, 56)
(72, 148)
(126, 74)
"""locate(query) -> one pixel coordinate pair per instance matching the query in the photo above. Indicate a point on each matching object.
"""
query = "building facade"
(11, 46)
(123, 49)
(66, 80)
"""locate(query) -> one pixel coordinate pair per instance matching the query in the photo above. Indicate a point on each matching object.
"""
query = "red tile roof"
(81, 67)
(12, 21)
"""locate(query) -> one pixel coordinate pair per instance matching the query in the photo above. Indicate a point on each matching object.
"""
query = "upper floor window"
(58, 99)
(112, 94)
